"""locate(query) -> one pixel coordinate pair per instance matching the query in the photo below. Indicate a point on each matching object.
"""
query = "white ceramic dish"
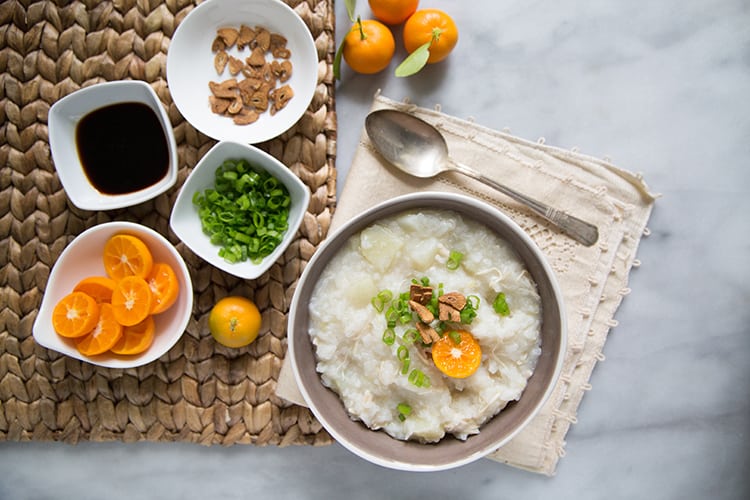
(64, 116)
(377, 446)
(186, 223)
(83, 258)
(190, 66)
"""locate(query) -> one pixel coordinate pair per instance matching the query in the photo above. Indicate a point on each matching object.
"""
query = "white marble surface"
(661, 88)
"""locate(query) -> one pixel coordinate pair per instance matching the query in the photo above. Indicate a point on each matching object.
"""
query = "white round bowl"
(190, 66)
(377, 446)
(83, 258)
(186, 223)
(63, 120)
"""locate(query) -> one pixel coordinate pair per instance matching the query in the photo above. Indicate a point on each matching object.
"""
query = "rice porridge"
(382, 359)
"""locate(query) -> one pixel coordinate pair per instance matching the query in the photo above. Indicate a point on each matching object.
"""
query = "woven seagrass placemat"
(199, 391)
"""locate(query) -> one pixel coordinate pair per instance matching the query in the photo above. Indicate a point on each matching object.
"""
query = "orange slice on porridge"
(457, 354)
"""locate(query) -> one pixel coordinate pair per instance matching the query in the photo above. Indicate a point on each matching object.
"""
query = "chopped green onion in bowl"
(246, 213)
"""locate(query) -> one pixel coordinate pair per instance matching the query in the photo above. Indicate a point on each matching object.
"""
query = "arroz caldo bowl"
(377, 446)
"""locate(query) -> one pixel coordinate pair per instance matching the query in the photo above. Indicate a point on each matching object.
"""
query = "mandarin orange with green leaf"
(457, 354)
(393, 11)
(429, 37)
(431, 26)
(368, 47)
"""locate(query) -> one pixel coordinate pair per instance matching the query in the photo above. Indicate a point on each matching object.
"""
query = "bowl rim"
(245, 270)
(67, 172)
(263, 130)
(116, 361)
(393, 206)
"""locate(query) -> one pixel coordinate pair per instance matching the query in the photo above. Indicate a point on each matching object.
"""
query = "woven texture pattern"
(199, 391)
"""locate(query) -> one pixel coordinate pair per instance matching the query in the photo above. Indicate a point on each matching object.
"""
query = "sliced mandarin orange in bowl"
(75, 315)
(164, 287)
(457, 354)
(131, 300)
(136, 339)
(127, 255)
(105, 334)
(98, 287)
(81, 260)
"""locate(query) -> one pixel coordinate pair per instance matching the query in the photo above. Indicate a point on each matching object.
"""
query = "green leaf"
(414, 61)
(351, 5)
(337, 60)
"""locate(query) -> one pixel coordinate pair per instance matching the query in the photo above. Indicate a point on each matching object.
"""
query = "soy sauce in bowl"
(122, 147)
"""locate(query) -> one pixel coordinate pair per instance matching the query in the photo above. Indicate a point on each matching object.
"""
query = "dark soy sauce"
(122, 147)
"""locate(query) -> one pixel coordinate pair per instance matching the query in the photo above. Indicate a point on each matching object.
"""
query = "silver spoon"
(419, 149)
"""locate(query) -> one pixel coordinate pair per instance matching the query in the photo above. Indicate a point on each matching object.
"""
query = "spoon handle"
(579, 230)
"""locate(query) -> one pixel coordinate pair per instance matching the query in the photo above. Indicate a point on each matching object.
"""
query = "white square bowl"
(186, 223)
(83, 258)
(190, 66)
(64, 117)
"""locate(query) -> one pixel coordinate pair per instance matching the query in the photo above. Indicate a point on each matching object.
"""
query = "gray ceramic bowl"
(377, 446)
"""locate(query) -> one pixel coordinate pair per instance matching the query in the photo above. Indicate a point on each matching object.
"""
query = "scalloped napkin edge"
(593, 279)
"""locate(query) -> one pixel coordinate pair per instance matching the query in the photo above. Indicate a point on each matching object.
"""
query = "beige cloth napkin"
(593, 280)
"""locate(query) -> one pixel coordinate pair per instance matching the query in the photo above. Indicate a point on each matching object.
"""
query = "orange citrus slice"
(137, 338)
(75, 315)
(164, 287)
(126, 255)
(98, 287)
(457, 359)
(105, 334)
(131, 300)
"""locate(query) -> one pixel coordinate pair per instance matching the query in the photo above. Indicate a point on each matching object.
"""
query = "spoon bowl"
(419, 149)
(408, 143)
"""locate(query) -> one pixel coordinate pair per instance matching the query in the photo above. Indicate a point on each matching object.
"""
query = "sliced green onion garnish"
(468, 314)
(404, 410)
(381, 299)
(402, 353)
(391, 316)
(500, 305)
(405, 366)
(455, 337)
(454, 260)
(418, 378)
(473, 300)
(411, 335)
(389, 336)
